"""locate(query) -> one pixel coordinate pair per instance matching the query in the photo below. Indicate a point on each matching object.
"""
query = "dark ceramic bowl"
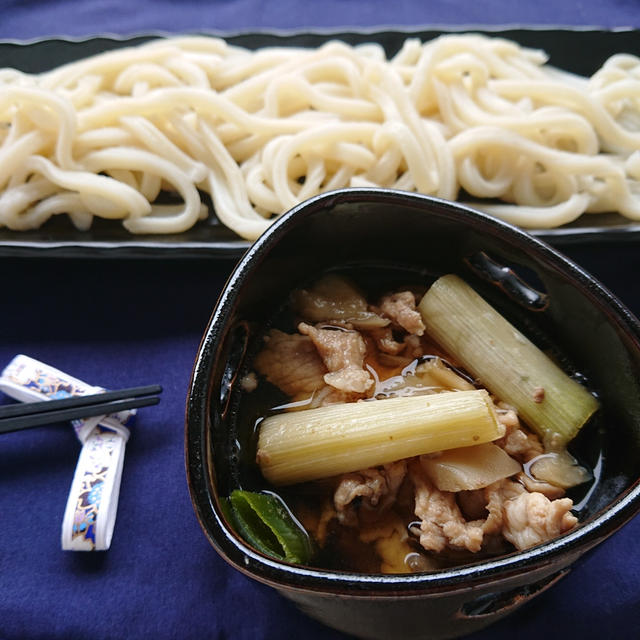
(411, 236)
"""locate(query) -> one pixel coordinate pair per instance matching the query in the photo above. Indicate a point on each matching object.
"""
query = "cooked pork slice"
(494, 519)
(495, 496)
(335, 299)
(540, 486)
(343, 354)
(443, 524)
(517, 442)
(523, 445)
(328, 395)
(413, 347)
(401, 308)
(291, 363)
(376, 489)
(531, 519)
(386, 342)
(507, 416)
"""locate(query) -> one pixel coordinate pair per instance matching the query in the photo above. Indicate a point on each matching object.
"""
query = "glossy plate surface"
(581, 51)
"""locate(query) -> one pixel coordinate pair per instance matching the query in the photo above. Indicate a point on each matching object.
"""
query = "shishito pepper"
(266, 524)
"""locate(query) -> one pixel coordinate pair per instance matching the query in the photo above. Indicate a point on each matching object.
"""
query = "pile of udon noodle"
(261, 131)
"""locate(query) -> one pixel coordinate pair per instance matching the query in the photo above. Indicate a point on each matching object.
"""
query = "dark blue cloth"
(36, 18)
(119, 323)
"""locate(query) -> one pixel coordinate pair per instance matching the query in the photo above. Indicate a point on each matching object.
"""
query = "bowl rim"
(243, 557)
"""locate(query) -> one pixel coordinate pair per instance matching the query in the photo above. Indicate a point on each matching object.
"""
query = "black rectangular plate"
(581, 51)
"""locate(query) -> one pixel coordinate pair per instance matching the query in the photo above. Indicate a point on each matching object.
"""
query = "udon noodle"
(261, 131)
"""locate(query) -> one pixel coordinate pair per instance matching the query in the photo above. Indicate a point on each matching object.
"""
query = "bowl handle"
(499, 604)
(509, 281)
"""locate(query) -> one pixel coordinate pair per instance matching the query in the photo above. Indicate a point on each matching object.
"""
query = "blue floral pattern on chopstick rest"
(91, 508)
(90, 514)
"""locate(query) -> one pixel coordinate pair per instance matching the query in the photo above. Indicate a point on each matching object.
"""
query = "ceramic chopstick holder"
(90, 513)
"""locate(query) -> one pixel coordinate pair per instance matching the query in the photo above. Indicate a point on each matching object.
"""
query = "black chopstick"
(32, 414)
(28, 408)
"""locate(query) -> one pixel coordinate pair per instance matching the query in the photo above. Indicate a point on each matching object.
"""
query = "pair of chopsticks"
(15, 417)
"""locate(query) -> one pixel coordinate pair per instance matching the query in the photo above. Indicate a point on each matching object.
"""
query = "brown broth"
(341, 548)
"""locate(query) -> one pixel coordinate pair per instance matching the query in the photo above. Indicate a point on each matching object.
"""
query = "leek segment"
(504, 361)
(469, 468)
(319, 443)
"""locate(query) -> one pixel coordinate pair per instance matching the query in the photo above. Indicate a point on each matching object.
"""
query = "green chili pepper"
(264, 522)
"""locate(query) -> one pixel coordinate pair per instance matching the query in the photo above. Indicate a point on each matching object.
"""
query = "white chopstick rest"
(90, 514)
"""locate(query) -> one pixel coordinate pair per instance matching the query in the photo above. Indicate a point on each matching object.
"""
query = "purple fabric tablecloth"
(124, 322)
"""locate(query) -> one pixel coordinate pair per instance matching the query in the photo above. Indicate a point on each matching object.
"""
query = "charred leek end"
(267, 525)
(319, 443)
(505, 361)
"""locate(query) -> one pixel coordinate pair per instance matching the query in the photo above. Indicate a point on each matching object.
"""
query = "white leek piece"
(504, 361)
(469, 468)
(318, 443)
